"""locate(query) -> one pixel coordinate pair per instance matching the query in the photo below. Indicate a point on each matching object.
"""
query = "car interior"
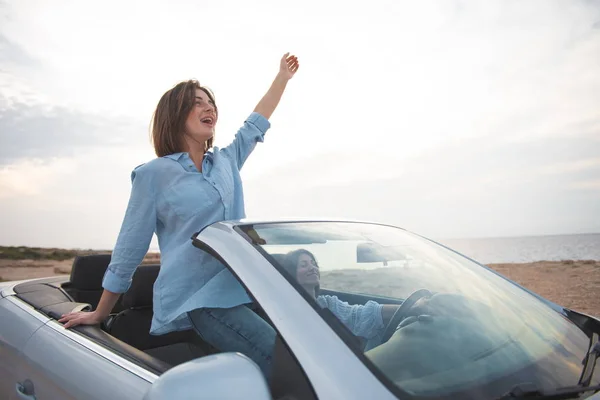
(126, 331)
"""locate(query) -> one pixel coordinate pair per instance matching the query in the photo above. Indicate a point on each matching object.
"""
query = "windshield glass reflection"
(431, 321)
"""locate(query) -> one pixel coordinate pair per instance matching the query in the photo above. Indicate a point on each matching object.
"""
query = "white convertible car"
(456, 330)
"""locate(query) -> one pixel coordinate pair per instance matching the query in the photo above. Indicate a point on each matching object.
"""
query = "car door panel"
(18, 325)
(62, 368)
(64, 364)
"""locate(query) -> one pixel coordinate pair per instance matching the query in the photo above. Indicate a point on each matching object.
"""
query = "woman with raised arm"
(190, 185)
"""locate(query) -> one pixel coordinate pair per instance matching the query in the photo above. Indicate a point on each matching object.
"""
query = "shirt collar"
(177, 156)
(174, 156)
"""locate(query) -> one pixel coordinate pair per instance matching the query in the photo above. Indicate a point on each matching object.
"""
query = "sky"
(453, 119)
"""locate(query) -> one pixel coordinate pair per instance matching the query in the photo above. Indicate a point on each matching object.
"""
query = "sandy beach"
(14, 270)
(573, 284)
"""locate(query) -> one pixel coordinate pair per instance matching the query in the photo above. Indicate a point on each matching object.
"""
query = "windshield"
(428, 321)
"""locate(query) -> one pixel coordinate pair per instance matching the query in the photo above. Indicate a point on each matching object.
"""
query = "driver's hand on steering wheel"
(443, 304)
(421, 307)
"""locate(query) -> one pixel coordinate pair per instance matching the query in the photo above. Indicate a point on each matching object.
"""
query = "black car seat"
(85, 283)
(132, 324)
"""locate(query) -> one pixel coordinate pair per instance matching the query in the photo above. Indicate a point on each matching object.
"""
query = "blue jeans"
(237, 329)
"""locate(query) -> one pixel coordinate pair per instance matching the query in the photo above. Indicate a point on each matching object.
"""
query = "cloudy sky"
(450, 118)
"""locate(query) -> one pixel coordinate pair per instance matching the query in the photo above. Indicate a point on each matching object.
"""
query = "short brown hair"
(168, 120)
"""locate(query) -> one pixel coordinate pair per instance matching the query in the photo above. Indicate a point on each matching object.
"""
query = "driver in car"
(367, 321)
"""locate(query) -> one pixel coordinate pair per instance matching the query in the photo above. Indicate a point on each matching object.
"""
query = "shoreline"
(573, 284)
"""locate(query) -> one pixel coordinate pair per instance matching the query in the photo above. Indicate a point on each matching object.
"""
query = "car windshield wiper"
(530, 391)
(589, 363)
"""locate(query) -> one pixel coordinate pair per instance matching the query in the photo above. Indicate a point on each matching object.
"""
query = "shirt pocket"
(192, 196)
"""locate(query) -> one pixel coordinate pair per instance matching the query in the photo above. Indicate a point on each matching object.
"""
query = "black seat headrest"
(142, 285)
(88, 271)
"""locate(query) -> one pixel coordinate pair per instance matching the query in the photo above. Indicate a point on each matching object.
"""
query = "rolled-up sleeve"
(252, 132)
(362, 320)
(139, 224)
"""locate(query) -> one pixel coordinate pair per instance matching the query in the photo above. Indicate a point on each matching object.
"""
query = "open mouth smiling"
(210, 121)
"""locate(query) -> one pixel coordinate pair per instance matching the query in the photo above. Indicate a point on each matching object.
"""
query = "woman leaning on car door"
(190, 185)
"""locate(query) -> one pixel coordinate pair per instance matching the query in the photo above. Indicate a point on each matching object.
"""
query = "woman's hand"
(288, 66)
(81, 318)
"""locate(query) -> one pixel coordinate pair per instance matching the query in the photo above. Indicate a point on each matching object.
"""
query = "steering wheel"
(402, 312)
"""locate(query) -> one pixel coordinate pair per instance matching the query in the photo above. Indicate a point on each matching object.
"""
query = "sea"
(524, 249)
(528, 248)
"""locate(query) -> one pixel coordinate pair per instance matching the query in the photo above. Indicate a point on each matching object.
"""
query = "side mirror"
(219, 376)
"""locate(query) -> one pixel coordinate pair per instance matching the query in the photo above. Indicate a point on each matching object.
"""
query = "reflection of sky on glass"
(492, 327)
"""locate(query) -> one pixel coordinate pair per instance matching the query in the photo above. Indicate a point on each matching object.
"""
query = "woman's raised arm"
(287, 68)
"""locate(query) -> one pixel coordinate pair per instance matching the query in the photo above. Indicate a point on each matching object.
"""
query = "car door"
(18, 325)
(62, 364)
(58, 363)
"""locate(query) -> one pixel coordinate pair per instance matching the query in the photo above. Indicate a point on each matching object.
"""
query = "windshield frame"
(342, 331)
(330, 320)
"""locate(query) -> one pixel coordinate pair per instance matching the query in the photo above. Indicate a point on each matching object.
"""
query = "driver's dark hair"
(290, 263)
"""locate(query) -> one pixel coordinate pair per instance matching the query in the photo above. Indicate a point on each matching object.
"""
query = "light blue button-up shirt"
(362, 320)
(171, 198)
